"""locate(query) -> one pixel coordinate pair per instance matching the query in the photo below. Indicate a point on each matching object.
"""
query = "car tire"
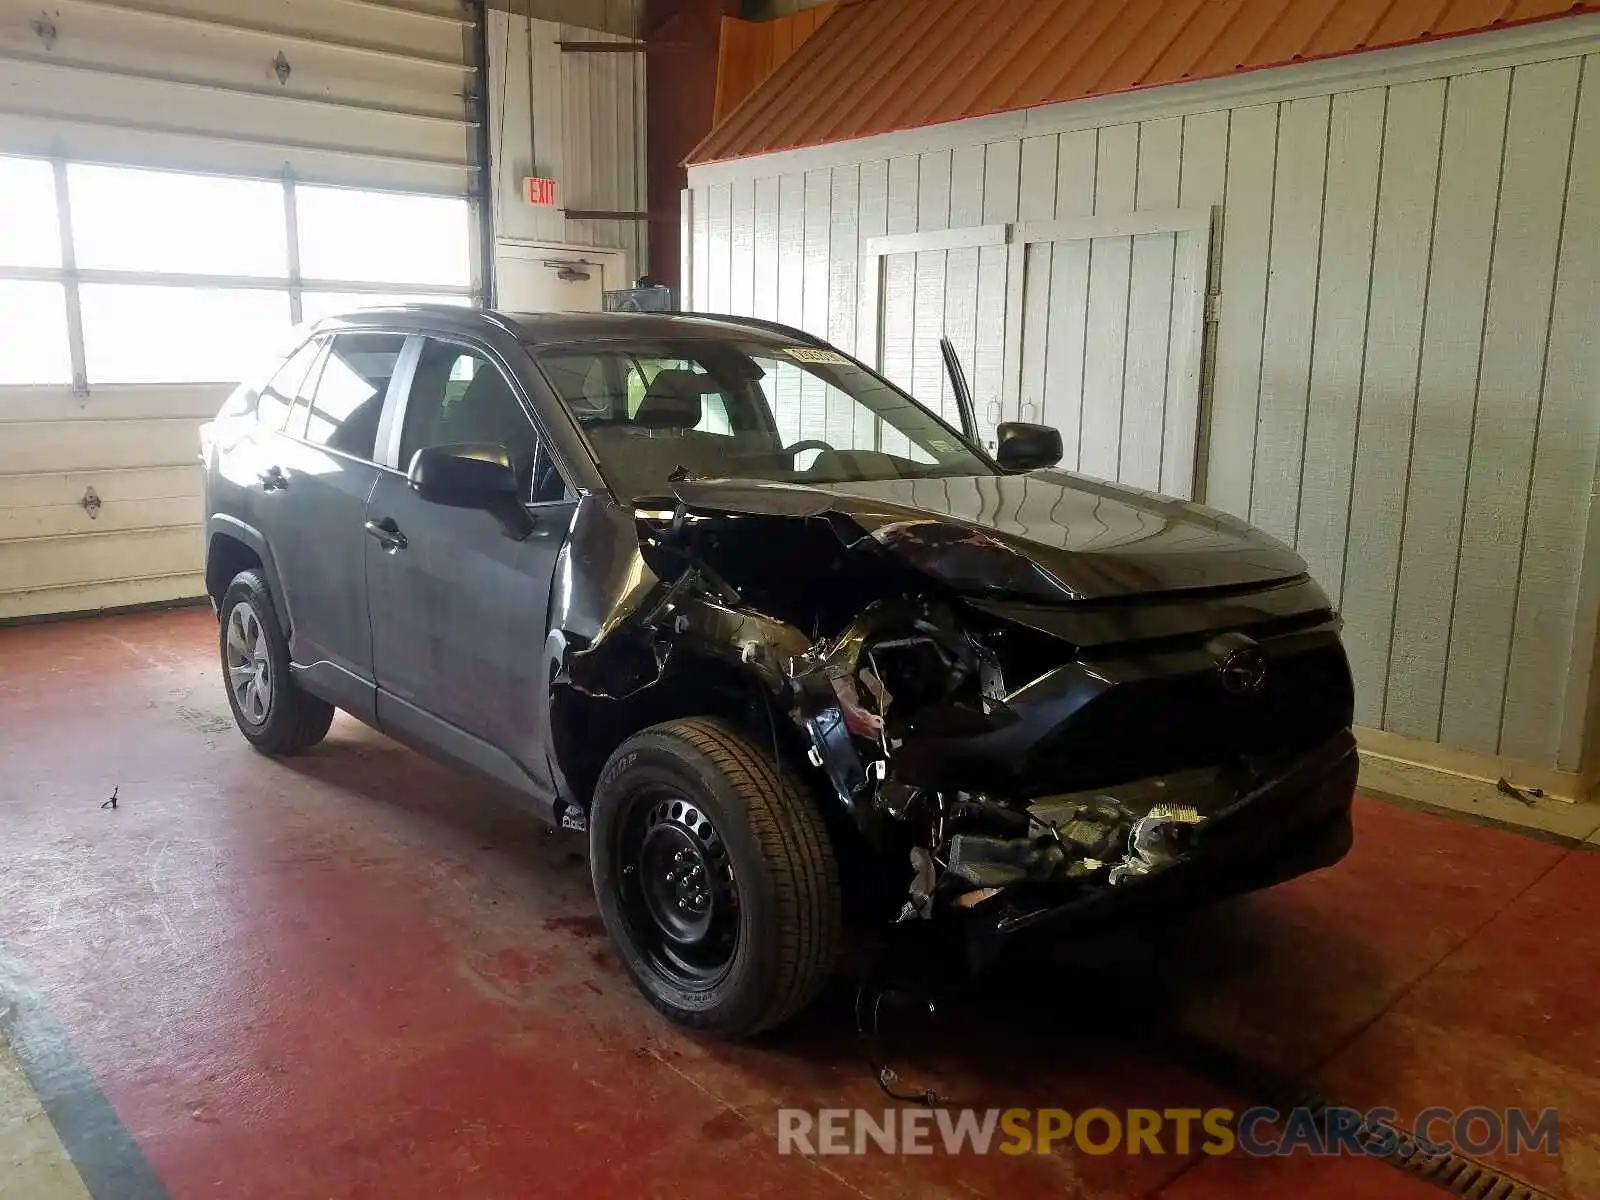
(275, 716)
(772, 874)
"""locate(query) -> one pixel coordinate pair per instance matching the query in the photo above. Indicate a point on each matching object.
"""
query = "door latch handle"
(387, 534)
(273, 479)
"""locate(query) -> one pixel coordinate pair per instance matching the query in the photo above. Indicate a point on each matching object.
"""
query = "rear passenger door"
(459, 608)
(327, 472)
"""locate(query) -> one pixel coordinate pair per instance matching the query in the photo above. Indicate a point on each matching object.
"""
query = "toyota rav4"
(795, 652)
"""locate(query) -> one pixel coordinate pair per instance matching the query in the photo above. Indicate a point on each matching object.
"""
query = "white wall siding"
(1386, 401)
(1404, 380)
(575, 117)
(1528, 227)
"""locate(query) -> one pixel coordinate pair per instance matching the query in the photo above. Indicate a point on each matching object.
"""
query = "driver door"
(459, 608)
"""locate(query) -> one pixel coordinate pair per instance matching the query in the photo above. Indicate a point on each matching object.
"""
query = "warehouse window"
(33, 313)
(126, 220)
(33, 333)
(382, 237)
(177, 277)
(30, 234)
(148, 333)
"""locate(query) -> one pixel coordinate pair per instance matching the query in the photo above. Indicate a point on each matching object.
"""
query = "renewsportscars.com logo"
(1259, 1132)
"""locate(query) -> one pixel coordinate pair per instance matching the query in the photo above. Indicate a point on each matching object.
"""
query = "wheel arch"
(586, 729)
(232, 546)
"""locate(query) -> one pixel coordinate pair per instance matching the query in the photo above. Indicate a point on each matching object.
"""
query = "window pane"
(30, 232)
(349, 399)
(136, 333)
(382, 237)
(316, 305)
(458, 396)
(33, 333)
(127, 220)
(736, 409)
(279, 394)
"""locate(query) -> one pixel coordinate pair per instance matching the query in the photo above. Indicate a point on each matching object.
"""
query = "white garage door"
(182, 181)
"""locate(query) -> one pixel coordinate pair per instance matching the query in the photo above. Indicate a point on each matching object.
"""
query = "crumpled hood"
(1049, 535)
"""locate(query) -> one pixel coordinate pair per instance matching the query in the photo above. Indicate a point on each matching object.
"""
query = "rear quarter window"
(275, 398)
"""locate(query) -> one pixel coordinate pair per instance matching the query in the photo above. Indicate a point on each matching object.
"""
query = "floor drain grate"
(1461, 1176)
(1453, 1173)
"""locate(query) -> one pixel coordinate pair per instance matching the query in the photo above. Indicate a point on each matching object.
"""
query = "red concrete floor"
(359, 973)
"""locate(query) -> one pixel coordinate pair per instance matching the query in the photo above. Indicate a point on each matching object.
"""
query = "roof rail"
(799, 335)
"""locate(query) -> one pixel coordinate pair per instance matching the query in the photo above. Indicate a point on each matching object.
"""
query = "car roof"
(563, 328)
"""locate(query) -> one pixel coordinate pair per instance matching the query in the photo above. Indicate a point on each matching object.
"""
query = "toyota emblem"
(1243, 669)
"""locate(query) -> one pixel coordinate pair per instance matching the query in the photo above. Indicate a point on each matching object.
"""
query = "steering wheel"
(801, 447)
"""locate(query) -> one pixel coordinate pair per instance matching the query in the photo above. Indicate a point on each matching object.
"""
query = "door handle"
(387, 534)
(273, 479)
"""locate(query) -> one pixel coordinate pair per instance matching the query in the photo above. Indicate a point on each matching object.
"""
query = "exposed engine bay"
(1003, 744)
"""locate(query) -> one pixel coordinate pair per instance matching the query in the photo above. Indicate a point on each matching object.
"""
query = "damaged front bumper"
(1005, 766)
(1296, 819)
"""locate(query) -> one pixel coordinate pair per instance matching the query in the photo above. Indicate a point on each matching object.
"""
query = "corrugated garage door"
(181, 181)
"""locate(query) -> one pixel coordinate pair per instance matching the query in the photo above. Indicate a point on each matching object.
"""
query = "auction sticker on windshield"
(809, 355)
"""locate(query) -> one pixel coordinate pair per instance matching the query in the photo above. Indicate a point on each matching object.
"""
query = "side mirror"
(469, 475)
(473, 475)
(1026, 447)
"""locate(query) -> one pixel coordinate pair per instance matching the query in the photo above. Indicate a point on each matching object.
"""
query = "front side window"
(746, 410)
(343, 410)
(458, 396)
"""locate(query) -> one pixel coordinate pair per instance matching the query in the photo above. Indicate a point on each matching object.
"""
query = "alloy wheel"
(248, 664)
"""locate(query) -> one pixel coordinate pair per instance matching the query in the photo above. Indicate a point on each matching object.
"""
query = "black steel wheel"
(676, 886)
(714, 876)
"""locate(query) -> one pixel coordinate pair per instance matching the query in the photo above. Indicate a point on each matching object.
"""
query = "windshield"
(746, 410)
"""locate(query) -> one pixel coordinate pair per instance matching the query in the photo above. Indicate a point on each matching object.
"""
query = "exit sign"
(540, 192)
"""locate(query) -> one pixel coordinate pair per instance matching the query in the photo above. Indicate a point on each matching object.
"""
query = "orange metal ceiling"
(749, 51)
(882, 65)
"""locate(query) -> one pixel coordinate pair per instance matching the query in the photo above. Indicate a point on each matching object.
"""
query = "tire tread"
(793, 840)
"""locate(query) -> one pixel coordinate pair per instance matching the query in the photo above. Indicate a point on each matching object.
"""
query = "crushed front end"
(1011, 756)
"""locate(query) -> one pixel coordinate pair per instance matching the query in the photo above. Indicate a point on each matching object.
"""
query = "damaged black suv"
(794, 650)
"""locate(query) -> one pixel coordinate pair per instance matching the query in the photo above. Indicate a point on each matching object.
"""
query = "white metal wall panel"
(1533, 186)
(1401, 380)
(999, 311)
(719, 250)
(928, 377)
(1387, 398)
(1566, 460)
(1452, 338)
(1349, 223)
(741, 263)
(1246, 241)
(962, 265)
(1288, 322)
(1036, 202)
(573, 116)
(766, 253)
(1066, 318)
(1146, 395)
(818, 198)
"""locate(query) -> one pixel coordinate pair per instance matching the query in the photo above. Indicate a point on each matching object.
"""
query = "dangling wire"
(867, 1032)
